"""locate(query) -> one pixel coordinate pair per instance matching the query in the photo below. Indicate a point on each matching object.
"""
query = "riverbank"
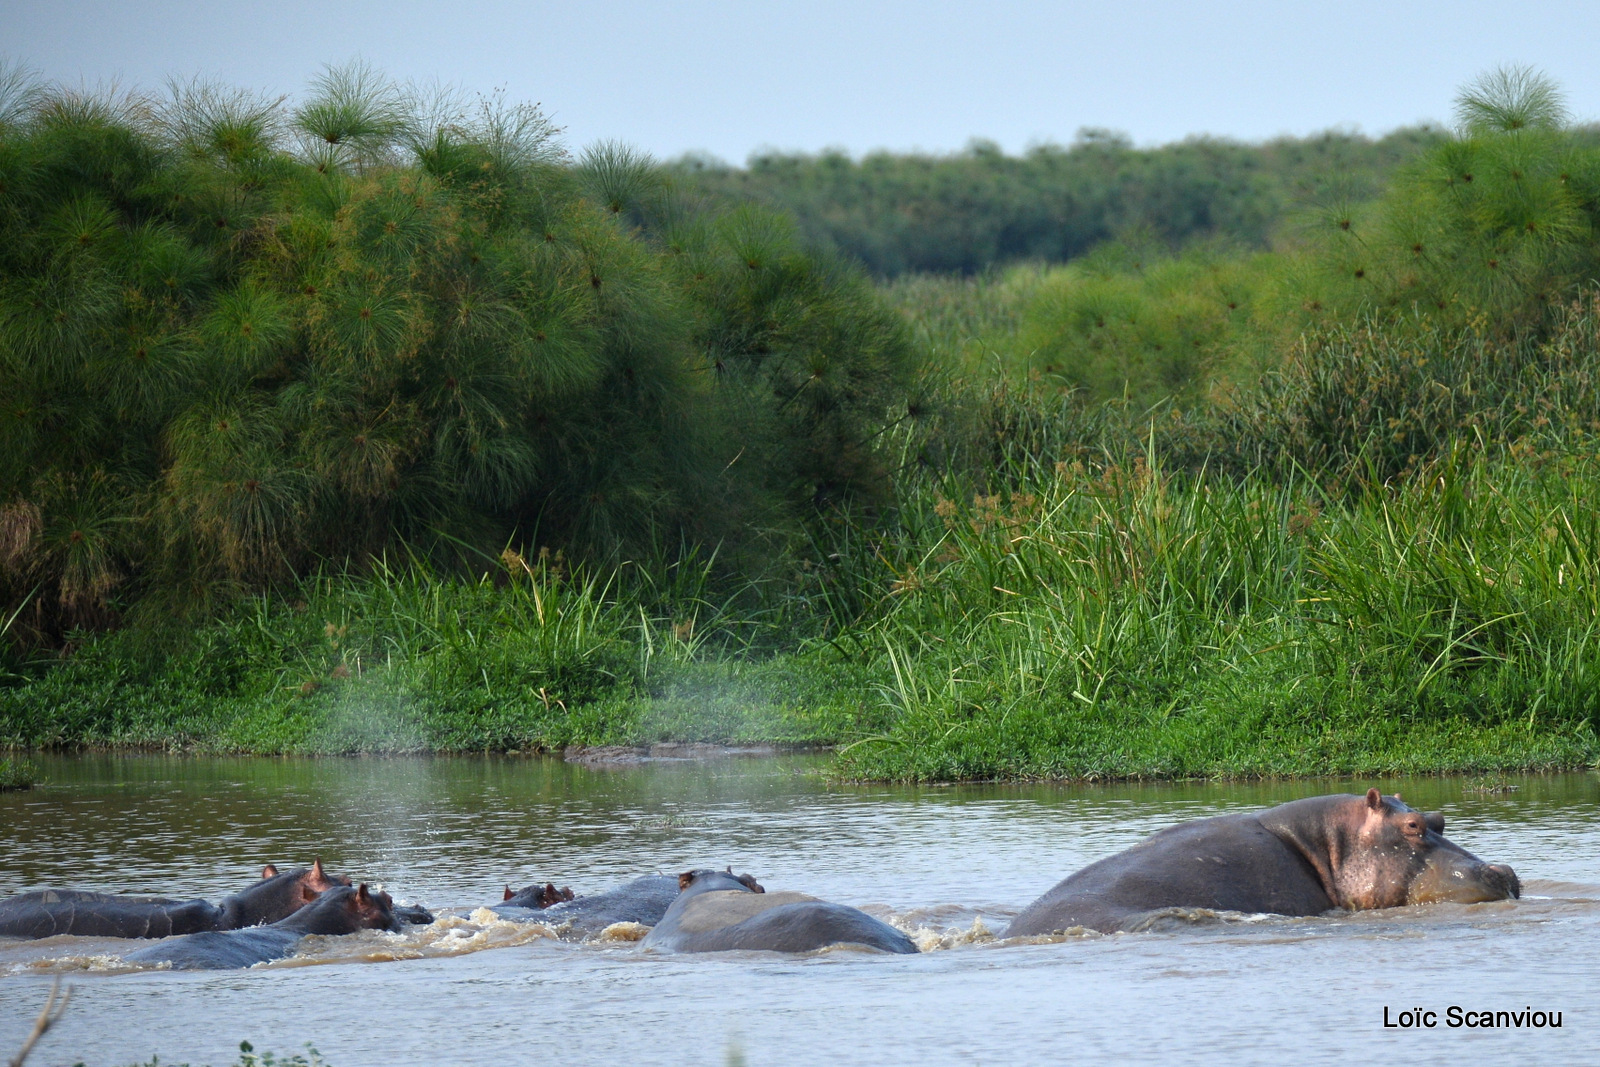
(1124, 624)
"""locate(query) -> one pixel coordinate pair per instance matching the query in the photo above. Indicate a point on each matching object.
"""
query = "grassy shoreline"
(1125, 623)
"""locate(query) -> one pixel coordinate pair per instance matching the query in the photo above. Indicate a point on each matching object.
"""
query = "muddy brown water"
(946, 864)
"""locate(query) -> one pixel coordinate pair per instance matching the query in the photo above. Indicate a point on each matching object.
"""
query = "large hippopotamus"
(1305, 857)
(716, 911)
(643, 900)
(340, 910)
(89, 914)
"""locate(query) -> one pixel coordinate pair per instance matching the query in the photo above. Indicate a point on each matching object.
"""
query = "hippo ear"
(509, 894)
(684, 879)
(269, 871)
(1435, 822)
(316, 870)
(362, 897)
(1374, 800)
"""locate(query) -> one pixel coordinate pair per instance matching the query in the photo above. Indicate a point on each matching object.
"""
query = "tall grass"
(1135, 622)
(526, 655)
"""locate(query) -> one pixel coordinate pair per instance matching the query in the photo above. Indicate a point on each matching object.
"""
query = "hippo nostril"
(1505, 878)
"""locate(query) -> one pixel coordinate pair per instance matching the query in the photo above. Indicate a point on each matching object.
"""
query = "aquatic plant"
(249, 1057)
(17, 774)
(1496, 220)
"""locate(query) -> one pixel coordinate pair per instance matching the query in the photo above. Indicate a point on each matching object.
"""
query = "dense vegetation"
(982, 209)
(16, 774)
(237, 338)
(1317, 508)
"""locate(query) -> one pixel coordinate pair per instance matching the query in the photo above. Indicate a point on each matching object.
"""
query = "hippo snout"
(1503, 878)
(1461, 878)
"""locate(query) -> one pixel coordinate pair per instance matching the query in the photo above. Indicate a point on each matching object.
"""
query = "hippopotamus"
(413, 914)
(537, 897)
(716, 911)
(340, 910)
(643, 900)
(1305, 857)
(89, 914)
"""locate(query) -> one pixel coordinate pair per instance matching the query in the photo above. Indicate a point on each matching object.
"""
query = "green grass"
(1062, 590)
(406, 660)
(1138, 624)
(17, 774)
(1114, 622)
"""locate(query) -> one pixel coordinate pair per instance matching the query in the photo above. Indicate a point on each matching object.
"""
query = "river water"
(947, 864)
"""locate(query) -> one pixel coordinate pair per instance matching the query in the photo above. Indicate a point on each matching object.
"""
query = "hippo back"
(218, 950)
(82, 913)
(1226, 863)
(340, 910)
(719, 920)
(643, 900)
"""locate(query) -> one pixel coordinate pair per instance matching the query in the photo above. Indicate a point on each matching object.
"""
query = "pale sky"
(729, 77)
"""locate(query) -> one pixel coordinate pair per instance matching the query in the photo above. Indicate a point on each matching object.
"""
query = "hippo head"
(278, 896)
(1388, 854)
(540, 896)
(371, 911)
(314, 882)
(705, 881)
(344, 910)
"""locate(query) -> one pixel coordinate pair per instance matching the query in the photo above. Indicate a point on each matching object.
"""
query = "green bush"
(1495, 224)
(238, 339)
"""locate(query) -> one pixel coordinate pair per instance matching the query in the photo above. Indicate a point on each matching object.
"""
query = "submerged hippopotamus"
(643, 900)
(340, 910)
(716, 911)
(89, 914)
(1305, 857)
(537, 897)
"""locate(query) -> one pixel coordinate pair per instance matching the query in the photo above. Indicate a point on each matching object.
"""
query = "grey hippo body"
(643, 900)
(1305, 857)
(341, 910)
(83, 913)
(717, 912)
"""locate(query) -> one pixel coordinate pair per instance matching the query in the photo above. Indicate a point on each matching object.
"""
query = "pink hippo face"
(1385, 854)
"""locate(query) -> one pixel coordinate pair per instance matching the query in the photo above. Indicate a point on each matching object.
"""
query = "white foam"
(624, 932)
(932, 939)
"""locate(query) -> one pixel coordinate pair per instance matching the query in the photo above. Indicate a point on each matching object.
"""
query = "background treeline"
(1490, 229)
(239, 338)
(978, 209)
(450, 441)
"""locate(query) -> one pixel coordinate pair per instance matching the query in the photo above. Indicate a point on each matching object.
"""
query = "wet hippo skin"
(643, 900)
(717, 912)
(341, 910)
(84, 913)
(537, 897)
(1305, 857)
